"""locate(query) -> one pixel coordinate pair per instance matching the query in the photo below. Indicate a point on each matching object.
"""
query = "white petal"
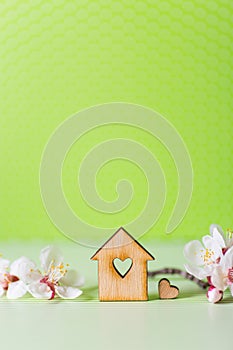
(34, 276)
(2, 277)
(198, 272)
(213, 246)
(193, 251)
(227, 259)
(68, 292)
(229, 239)
(209, 269)
(72, 278)
(216, 227)
(16, 290)
(2, 291)
(25, 269)
(214, 295)
(40, 290)
(218, 235)
(4, 264)
(219, 279)
(16, 265)
(50, 255)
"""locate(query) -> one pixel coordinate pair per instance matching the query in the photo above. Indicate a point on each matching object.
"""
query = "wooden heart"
(122, 266)
(166, 290)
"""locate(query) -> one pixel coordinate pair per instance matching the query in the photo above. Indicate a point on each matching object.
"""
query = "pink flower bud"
(214, 295)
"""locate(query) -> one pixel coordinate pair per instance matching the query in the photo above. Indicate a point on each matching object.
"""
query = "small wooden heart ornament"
(166, 290)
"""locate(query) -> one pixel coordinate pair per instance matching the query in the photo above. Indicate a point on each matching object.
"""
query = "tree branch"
(174, 271)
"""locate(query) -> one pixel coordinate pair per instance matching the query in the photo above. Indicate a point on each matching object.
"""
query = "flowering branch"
(23, 276)
(174, 271)
(212, 259)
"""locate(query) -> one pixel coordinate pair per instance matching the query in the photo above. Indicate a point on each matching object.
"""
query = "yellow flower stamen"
(207, 256)
(56, 272)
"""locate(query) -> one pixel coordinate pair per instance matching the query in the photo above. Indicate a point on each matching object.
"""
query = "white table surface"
(189, 321)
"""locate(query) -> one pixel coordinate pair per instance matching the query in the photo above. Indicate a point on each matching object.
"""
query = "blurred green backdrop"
(58, 57)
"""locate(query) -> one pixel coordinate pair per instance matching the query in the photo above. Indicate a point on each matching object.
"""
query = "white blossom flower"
(222, 276)
(55, 279)
(203, 258)
(10, 284)
(224, 241)
(214, 261)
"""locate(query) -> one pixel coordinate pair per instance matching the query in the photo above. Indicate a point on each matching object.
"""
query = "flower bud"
(214, 295)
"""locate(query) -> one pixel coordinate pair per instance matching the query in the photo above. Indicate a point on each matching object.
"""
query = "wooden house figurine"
(115, 284)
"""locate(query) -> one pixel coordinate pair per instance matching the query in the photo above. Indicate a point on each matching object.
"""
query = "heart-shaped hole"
(122, 266)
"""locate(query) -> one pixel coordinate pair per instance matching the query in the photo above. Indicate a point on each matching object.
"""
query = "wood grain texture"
(112, 285)
(166, 290)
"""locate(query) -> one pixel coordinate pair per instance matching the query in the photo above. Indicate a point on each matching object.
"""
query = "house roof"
(119, 238)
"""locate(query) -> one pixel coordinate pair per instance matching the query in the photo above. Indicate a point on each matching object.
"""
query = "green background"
(59, 57)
